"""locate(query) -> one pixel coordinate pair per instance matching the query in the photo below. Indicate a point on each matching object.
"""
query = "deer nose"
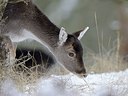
(84, 75)
(82, 72)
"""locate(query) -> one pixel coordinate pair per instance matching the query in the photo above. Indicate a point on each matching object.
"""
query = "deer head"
(70, 52)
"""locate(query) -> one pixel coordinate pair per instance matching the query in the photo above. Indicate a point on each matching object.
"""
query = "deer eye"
(71, 54)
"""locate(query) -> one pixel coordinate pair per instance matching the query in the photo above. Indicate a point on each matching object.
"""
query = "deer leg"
(7, 51)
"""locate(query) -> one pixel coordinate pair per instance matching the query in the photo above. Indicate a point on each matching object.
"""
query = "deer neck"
(30, 19)
(47, 37)
(44, 29)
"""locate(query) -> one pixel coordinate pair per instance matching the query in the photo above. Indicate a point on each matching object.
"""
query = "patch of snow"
(54, 87)
(8, 88)
(105, 84)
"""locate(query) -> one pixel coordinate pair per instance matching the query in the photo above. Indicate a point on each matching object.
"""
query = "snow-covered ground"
(105, 84)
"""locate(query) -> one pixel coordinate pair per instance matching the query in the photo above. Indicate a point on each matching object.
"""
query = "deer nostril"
(82, 72)
(84, 75)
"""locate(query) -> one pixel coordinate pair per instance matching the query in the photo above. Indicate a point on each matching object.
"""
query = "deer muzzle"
(81, 72)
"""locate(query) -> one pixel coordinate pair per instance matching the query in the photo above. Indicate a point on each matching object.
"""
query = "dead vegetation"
(107, 63)
(22, 75)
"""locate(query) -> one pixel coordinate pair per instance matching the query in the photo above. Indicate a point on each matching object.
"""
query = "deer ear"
(81, 33)
(62, 36)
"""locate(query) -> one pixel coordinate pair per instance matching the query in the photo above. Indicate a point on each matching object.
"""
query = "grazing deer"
(24, 20)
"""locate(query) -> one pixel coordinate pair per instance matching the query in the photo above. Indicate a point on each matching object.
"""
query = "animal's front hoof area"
(6, 50)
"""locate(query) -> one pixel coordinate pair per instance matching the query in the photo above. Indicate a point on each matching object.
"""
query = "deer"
(26, 21)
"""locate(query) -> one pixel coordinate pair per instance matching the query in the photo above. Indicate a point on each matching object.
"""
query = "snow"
(105, 84)
(8, 88)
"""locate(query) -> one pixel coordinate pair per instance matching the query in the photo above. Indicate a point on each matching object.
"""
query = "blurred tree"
(123, 31)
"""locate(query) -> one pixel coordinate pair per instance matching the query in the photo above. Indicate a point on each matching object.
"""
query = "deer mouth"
(81, 73)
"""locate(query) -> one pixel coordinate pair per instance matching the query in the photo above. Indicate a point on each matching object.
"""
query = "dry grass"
(105, 60)
(23, 75)
(106, 63)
